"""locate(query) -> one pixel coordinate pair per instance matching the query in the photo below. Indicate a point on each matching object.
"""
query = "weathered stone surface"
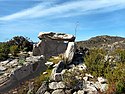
(102, 80)
(56, 85)
(35, 58)
(49, 63)
(69, 53)
(80, 92)
(75, 92)
(53, 85)
(5, 62)
(49, 47)
(68, 91)
(56, 74)
(85, 78)
(61, 85)
(82, 67)
(97, 85)
(58, 91)
(89, 75)
(45, 73)
(91, 89)
(56, 36)
(103, 87)
(2, 68)
(42, 89)
(13, 61)
(46, 92)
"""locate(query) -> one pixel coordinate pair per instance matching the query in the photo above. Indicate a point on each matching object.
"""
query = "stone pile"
(86, 83)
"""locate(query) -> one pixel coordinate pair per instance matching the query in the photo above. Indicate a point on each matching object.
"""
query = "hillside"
(71, 71)
(103, 41)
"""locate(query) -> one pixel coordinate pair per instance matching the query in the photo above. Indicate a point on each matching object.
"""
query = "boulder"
(2, 68)
(53, 85)
(80, 92)
(5, 62)
(58, 91)
(61, 85)
(56, 85)
(47, 92)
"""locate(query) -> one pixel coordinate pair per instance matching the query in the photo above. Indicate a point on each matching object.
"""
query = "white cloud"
(79, 7)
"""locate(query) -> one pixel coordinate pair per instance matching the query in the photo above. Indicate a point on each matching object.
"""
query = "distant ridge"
(103, 41)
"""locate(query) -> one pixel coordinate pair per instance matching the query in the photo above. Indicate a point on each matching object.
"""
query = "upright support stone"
(69, 53)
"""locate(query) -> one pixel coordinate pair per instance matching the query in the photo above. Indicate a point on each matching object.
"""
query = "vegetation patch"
(113, 69)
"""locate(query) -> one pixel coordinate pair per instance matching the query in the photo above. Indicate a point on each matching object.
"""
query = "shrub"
(23, 43)
(4, 51)
(14, 50)
(95, 62)
(21, 60)
(114, 72)
(73, 78)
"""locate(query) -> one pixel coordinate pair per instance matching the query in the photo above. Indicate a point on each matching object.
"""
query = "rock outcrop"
(16, 71)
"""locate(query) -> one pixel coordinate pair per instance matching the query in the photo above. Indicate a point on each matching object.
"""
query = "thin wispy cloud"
(74, 8)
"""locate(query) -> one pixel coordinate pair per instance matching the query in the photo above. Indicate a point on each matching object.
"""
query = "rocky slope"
(72, 75)
(103, 41)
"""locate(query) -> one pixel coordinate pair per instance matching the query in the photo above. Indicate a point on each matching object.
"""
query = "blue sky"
(93, 18)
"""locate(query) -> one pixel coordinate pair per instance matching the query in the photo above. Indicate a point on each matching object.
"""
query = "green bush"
(120, 87)
(22, 59)
(23, 43)
(70, 78)
(95, 62)
(14, 50)
(4, 51)
(114, 72)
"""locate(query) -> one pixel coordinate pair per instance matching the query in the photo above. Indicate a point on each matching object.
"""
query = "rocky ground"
(72, 79)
